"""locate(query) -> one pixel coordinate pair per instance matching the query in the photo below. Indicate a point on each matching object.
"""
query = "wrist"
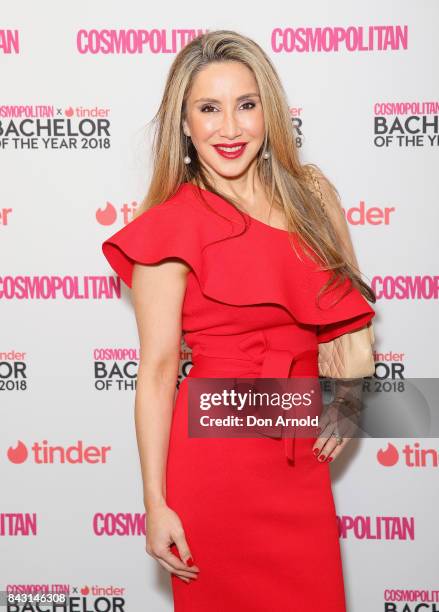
(151, 502)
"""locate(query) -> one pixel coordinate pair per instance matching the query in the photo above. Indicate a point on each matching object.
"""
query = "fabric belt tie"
(264, 362)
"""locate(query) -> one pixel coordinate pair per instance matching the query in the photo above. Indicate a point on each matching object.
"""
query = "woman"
(230, 247)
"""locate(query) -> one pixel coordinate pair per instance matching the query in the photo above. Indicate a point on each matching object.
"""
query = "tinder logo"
(109, 214)
(44, 453)
(106, 216)
(410, 456)
(18, 454)
(373, 215)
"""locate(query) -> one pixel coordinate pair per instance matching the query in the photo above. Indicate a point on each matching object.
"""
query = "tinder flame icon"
(18, 454)
(107, 216)
(389, 456)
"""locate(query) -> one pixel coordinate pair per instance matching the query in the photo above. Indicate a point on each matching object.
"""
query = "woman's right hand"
(164, 528)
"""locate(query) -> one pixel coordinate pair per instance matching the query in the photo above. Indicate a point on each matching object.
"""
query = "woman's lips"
(231, 152)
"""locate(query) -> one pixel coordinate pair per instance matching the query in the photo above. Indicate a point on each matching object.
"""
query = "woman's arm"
(158, 292)
(343, 413)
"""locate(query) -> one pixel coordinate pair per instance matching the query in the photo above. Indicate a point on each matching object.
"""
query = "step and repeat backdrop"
(77, 90)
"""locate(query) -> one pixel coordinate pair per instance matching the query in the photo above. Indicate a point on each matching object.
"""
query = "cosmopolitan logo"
(421, 596)
(9, 41)
(406, 287)
(335, 39)
(37, 588)
(115, 368)
(134, 41)
(389, 365)
(56, 287)
(406, 124)
(376, 528)
(13, 371)
(49, 127)
(411, 456)
(18, 524)
(43, 453)
(120, 524)
(34, 111)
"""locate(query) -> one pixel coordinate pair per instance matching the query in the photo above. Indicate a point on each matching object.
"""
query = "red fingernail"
(330, 459)
(322, 457)
(316, 451)
(189, 562)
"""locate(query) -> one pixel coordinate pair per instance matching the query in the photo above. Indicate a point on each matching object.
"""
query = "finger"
(326, 447)
(326, 442)
(184, 575)
(176, 563)
(318, 446)
(324, 422)
(324, 436)
(338, 449)
(325, 431)
(183, 549)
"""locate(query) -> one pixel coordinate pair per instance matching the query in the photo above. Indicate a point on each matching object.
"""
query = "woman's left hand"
(334, 424)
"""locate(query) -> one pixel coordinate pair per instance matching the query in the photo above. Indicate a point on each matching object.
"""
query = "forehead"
(222, 79)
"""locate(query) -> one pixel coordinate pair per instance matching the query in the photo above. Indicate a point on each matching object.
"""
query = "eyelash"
(210, 106)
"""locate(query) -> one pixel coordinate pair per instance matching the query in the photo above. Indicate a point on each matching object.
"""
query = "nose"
(230, 127)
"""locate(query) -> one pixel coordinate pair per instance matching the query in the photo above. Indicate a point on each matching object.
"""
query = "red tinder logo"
(389, 456)
(18, 454)
(107, 216)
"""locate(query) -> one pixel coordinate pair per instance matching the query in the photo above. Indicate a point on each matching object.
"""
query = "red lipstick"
(231, 151)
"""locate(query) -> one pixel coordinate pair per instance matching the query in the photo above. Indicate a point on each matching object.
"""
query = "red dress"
(258, 513)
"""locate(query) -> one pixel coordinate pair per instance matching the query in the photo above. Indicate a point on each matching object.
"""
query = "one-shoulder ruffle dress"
(258, 513)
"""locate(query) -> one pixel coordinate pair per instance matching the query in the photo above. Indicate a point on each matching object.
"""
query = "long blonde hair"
(285, 179)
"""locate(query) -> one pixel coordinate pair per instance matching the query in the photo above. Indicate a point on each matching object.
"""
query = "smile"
(231, 151)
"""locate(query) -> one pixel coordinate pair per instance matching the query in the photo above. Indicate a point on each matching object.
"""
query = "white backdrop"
(68, 341)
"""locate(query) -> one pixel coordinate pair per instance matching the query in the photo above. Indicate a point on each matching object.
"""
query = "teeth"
(230, 149)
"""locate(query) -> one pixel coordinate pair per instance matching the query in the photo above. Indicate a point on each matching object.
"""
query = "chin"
(232, 169)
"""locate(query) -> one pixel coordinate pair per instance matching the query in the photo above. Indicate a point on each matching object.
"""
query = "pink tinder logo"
(411, 456)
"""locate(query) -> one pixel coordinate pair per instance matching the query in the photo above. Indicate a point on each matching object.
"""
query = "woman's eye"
(209, 108)
(203, 108)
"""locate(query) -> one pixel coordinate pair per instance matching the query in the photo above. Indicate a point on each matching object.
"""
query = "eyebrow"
(248, 95)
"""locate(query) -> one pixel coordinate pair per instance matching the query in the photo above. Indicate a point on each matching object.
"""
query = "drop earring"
(266, 155)
(187, 160)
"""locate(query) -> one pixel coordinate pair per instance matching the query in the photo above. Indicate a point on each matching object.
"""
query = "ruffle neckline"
(236, 263)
